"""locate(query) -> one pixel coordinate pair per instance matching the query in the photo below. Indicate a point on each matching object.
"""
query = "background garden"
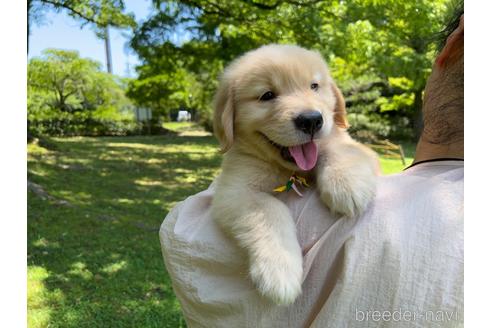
(101, 180)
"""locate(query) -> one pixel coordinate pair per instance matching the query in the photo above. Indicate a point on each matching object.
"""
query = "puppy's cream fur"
(244, 204)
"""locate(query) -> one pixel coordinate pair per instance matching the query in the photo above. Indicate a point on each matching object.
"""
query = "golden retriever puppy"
(278, 112)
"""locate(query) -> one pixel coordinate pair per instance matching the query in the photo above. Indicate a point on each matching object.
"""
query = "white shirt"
(400, 264)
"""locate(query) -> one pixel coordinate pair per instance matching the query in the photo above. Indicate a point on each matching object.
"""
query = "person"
(400, 264)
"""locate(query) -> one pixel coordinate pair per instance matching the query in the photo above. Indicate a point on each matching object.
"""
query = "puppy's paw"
(278, 278)
(347, 194)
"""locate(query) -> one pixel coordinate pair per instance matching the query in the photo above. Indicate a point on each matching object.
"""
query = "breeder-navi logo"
(406, 315)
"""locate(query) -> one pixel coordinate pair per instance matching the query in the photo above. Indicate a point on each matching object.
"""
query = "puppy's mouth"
(303, 155)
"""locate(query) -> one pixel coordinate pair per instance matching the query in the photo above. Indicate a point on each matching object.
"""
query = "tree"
(63, 85)
(380, 52)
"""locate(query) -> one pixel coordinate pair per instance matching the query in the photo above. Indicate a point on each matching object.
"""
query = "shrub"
(83, 127)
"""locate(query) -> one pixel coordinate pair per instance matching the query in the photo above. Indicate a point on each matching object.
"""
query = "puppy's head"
(276, 102)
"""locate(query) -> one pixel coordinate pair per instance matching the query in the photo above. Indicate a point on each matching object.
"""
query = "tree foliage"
(63, 86)
(98, 13)
(380, 52)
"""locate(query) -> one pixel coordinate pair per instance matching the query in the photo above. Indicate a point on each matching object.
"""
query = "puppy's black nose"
(309, 122)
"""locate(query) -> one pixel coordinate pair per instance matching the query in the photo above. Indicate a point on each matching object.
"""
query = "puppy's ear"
(224, 115)
(340, 116)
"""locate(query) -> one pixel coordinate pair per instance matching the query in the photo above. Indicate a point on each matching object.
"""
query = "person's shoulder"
(431, 171)
(416, 183)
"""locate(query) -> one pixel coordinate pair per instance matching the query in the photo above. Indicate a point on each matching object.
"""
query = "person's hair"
(444, 124)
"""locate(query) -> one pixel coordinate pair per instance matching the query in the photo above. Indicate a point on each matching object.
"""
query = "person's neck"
(428, 151)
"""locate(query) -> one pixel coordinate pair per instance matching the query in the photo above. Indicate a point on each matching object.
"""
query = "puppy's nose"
(309, 122)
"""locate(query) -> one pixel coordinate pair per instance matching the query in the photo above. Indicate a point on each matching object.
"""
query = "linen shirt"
(400, 264)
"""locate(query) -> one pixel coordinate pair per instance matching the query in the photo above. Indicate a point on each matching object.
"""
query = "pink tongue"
(305, 155)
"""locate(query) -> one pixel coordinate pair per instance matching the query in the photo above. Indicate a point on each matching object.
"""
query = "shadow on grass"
(100, 255)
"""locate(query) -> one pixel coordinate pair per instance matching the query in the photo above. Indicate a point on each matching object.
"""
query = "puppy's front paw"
(347, 194)
(279, 277)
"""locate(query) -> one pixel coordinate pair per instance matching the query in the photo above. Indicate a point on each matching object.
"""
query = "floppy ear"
(224, 115)
(340, 116)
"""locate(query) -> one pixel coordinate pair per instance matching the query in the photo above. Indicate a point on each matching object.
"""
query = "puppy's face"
(276, 102)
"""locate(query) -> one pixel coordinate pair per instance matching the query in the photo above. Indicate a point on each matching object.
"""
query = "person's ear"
(224, 115)
(454, 45)
(340, 114)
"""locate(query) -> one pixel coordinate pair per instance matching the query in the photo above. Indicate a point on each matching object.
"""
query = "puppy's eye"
(269, 95)
(314, 86)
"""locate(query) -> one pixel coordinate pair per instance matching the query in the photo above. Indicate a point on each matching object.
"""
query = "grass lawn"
(392, 165)
(95, 260)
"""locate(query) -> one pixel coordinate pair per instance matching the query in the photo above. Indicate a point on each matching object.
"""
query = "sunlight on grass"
(395, 165)
(43, 243)
(125, 201)
(148, 182)
(133, 146)
(186, 129)
(115, 267)
(180, 126)
(392, 166)
(80, 197)
(35, 149)
(39, 298)
(80, 269)
(156, 161)
(187, 179)
(38, 173)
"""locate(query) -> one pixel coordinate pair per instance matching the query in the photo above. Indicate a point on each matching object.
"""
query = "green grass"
(180, 126)
(393, 165)
(96, 262)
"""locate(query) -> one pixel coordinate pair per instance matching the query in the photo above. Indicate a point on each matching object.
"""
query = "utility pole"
(108, 50)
